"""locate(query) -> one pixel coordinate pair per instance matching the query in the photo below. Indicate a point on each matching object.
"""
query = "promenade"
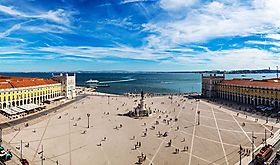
(111, 139)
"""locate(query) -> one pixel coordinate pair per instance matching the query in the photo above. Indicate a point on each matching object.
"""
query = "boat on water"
(243, 75)
(96, 83)
(92, 81)
(102, 85)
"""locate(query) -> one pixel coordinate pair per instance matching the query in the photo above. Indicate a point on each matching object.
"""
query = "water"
(149, 82)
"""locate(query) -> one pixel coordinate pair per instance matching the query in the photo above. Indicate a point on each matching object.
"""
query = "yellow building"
(18, 94)
(248, 91)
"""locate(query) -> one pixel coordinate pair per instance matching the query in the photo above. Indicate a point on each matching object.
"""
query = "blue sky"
(139, 35)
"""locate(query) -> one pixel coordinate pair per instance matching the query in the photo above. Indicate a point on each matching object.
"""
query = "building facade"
(18, 91)
(68, 83)
(209, 85)
(248, 91)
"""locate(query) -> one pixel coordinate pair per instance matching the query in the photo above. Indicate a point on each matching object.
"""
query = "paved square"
(65, 137)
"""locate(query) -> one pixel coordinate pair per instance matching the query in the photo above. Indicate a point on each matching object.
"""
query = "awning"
(29, 107)
(9, 111)
(18, 110)
(56, 98)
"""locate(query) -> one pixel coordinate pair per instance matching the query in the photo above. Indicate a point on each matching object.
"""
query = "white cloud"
(105, 4)
(246, 58)
(8, 31)
(273, 36)
(9, 10)
(59, 16)
(124, 23)
(56, 21)
(217, 19)
(263, 43)
(171, 38)
(135, 1)
(49, 28)
(215, 7)
(275, 49)
(87, 53)
(176, 4)
(102, 52)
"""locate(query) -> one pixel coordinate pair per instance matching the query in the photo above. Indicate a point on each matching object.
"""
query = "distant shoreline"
(165, 83)
(258, 71)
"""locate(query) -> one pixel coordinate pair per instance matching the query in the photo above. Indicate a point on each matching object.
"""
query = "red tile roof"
(265, 83)
(17, 82)
(5, 85)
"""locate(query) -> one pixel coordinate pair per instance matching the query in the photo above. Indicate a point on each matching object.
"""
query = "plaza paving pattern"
(66, 138)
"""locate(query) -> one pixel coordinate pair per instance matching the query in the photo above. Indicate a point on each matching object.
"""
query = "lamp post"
(265, 137)
(253, 141)
(88, 115)
(21, 150)
(42, 155)
(240, 152)
(1, 136)
(108, 99)
(198, 119)
(42, 159)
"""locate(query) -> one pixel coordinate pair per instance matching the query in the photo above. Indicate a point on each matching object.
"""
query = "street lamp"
(20, 149)
(240, 154)
(198, 121)
(253, 141)
(265, 137)
(42, 155)
(88, 115)
(1, 138)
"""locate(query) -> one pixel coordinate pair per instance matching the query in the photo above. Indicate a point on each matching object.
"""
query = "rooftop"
(18, 82)
(265, 83)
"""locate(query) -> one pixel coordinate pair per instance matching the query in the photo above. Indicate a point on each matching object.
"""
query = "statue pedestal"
(140, 110)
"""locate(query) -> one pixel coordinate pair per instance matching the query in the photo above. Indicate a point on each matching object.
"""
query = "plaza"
(111, 138)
